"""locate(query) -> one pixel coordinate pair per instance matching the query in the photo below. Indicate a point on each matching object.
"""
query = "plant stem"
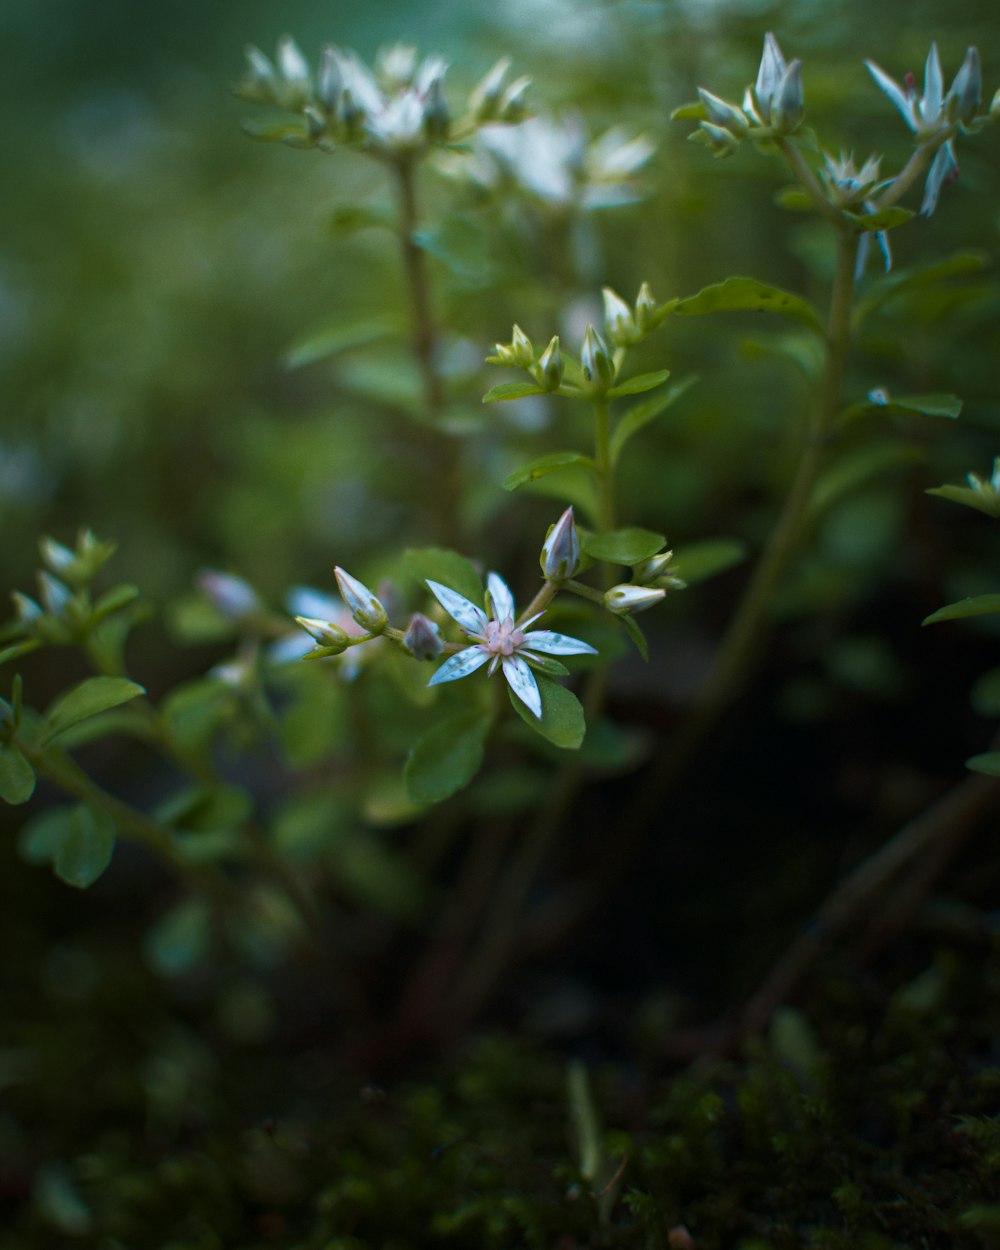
(911, 171)
(423, 331)
(605, 471)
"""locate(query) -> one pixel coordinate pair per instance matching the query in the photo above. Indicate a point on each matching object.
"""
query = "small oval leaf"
(975, 605)
(17, 777)
(96, 694)
(749, 295)
(562, 721)
(511, 390)
(446, 757)
(544, 465)
(624, 546)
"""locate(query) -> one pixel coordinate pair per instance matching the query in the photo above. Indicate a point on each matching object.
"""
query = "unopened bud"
(512, 107)
(326, 633)
(722, 113)
(561, 552)
(522, 352)
(55, 594)
(422, 638)
(720, 142)
(329, 80)
(261, 83)
(59, 558)
(27, 609)
(435, 111)
(629, 598)
(550, 368)
(291, 62)
(966, 90)
(655, 566)
(788, 103)
(595, 361)
(646, 310)
(231, 596)
(361, 603)
(618, 320)
(485, 99)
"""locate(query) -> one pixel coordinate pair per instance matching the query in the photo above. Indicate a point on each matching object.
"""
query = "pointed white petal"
(895, 93)
(933, 85)
(943, 166)
(460, 665)
(501, 599)
(521, 680)
(471, 618)
(550, 643)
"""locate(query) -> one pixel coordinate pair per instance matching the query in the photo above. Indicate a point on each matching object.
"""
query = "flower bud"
(788, 102)
(629, 598)
(485, 99)
(522, 349)
(28, 610)
(966, 90)
(619, 323)
(769, 76)
(260, 84)
(329, 80)
(561, 552)
(655, 566)
(550, 368)
(361, 603)
(722, 113)
(294, 70)
(59, 558)
(55, 595)
(422, 638)
(646, 310)
(326, 633)
(435, 111)
(512, 107)
(720, 142)
(231, 596)
(595, 360)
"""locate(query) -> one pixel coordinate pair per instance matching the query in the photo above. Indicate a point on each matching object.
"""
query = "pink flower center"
(502, 637)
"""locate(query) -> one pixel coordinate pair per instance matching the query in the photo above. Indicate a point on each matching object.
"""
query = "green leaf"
(795, 199)
(562, 721)
(17, 777)
(77, 841)
(294, 133)
(112, 601)
(980, 500)
(885, 219)
(17, 649)
(333, 337)
(749, 295)
(642, 382)
(461, 243)
(976, 605)
(989, 763)
(348, 218)
(446, 757)
(180, 938)
(936, 405)
(94, 695)
(86, 847)
(641, 415)
(206, 808)
(695, 111)
(697, 562)
(858, 466)
(447, 567)
(625, 546)
(887, 288)
(551, 463)
(512, 390)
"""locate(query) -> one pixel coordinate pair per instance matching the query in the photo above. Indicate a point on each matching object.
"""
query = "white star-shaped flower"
(500, 641)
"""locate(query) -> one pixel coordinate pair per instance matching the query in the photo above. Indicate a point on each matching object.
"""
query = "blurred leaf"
(803, 351)
(59, 1203)
(885, 219)
(112, 601)
(194, 619)
(96, 694)
(310, 826)
(446, 757)
(447, 567)
(637, 385)
(640, 415)
(697, 562)
(562, 720)
(544, 465)
(749, 295)
(634, 631)
(337, 336)
(180, 938)
(17, 649)
(989, 763)
(927, 405)
(293, 132)
(94, 728)
(982, 502)
(461, 243)
(205, 808)
(78, 842)
(858, 466)
(985, 693)
(795, 199)
(17, 777)
(625, 546)
(512, 390)
(794, 1044)
(887, 288)
(976, 605)
(193, 711)
(348, 218)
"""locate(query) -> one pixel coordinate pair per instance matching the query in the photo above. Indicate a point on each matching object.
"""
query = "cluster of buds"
(773, 106)
(393, 110)
(651, 580)
(848, 187)
(601, 352)
(366, 611)
(936, 117)
(64, 612)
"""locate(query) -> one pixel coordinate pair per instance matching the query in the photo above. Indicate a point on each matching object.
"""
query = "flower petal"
(460, 665)
(521, 680)
(550, 643)
(933, 86)
(471, 618)
(943, 167)
(501, 600)
(895, 93)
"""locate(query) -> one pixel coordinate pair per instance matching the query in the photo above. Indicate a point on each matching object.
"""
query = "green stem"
(605, 470)
(812, 185)
(913, 169)
(423, 331)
